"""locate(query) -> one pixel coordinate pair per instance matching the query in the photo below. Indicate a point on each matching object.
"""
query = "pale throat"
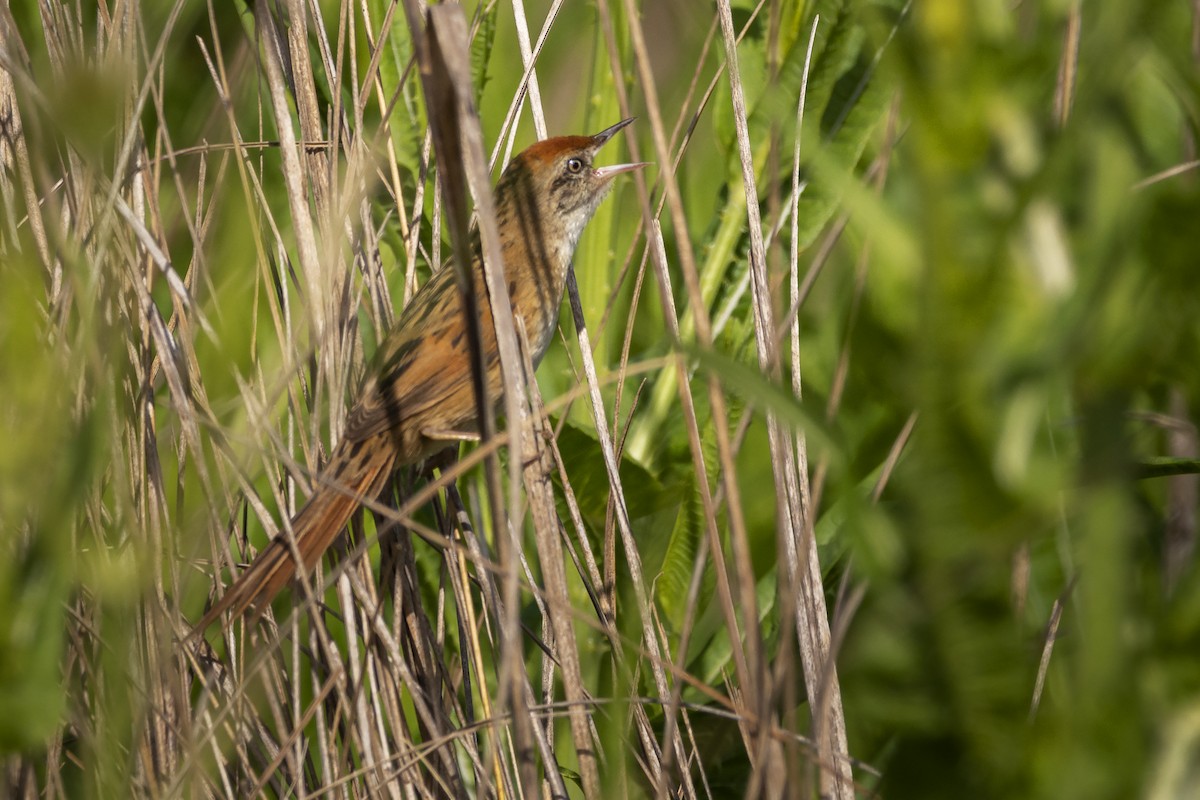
(575, 223)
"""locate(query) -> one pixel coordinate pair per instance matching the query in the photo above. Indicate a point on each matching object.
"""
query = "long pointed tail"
(355, 473)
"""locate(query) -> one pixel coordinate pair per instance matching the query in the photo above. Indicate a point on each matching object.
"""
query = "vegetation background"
(987, 284)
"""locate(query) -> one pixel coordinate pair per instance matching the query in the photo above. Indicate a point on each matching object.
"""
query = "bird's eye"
(575, 165)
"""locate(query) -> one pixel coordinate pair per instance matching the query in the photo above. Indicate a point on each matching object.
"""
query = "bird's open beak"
(603, 136)
(606, 134)
(617, 169)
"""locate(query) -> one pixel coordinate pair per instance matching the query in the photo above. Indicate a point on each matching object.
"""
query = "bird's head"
(556, 178)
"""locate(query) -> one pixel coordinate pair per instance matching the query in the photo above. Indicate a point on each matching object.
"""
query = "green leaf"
(481, 50)
(675, 574)
(753, 386)
(407, 123)
(833, 160)
(1163, 467)
(584, 460)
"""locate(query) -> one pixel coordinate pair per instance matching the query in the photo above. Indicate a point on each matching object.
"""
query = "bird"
(418, 394)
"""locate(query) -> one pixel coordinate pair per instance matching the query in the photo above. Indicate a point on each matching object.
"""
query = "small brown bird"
(419, 394)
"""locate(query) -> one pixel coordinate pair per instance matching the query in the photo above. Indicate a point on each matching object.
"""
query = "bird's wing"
(422, 375)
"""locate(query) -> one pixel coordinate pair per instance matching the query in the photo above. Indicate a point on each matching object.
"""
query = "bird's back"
(420, 382)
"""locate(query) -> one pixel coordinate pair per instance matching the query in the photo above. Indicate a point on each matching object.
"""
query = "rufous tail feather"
(356, 473)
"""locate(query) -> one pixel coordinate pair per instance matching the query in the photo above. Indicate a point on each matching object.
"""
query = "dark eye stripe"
(562, 180)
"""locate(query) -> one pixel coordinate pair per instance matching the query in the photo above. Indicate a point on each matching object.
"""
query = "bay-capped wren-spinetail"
(419, 385)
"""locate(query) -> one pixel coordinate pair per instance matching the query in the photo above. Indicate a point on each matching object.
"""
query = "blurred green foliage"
(1026, 298)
